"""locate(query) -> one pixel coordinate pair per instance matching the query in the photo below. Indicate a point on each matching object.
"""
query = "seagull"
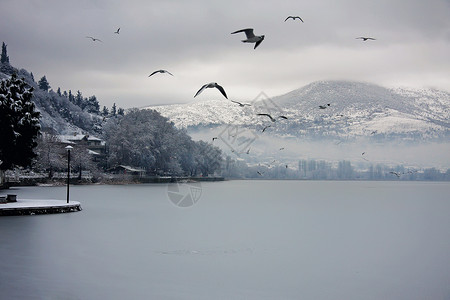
(260, 173)
(395, 173)
(117, 31)
(93, 39)
(365, 38)
(363, 153)
(293, 18)
(282, 148)
(160, 71)
(251, 37)
(272, 118)
(324, 106)
(214, 138)
(264, 129)
(212, 85)
(241, 104)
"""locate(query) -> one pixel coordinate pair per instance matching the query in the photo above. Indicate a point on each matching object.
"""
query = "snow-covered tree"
(208, 158)
(114, 110)
(92, 105)
(105, 111)
(43, 84)
(51, 155)
(4, 58)
(145, 139)
(19, 123)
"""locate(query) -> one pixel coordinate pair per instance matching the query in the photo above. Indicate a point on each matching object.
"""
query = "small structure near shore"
(36, 206)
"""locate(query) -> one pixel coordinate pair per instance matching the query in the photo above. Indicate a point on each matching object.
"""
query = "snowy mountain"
(355, 110)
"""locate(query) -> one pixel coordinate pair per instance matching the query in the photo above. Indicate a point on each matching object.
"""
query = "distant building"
(95, 146)
(122, 169)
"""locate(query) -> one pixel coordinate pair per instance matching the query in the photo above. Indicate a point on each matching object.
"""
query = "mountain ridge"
(356, 109)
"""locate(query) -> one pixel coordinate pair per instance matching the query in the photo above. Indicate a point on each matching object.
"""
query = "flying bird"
(93, 39)
(395, 173)
(212, 85)
(214, 138)
(117, 31)
(260, 173)
(324, 106)
(365, 38)
(282, 148)
(251, 37)
(272, 118)
(293, 18)
(241, 104)
(160, 71)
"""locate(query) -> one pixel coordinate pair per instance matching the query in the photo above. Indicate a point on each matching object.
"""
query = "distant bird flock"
(257, 40)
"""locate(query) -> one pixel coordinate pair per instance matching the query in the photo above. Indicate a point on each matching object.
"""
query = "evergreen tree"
(79, 99)
(92, 105)
(59, 91)
(105, 111)
(121, 111)
(114, 110)
(4, 57)
(71, 97)
(32, 76)
(43, 84)
(19, 123)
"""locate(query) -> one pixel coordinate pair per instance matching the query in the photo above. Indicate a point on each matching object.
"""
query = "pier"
(38, 207)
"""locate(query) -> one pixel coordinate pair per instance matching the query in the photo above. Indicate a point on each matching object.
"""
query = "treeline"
(147, 140)
(324, 170)
(60, 107)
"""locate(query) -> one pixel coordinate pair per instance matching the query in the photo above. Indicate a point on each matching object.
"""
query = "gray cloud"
(192, 40)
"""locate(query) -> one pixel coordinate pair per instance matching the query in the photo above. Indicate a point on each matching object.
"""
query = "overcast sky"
(192, 40)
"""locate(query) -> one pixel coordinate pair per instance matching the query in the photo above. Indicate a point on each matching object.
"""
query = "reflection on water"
(241, 239)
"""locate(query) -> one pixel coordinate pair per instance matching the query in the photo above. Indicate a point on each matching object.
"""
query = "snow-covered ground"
(37, 203)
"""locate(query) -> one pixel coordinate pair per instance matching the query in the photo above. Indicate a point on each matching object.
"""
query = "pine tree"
(4, 57)
(43, 84)
(71, 97)
(79, 99)
(92, 105)
(114, 110)
(59, 91)
(121, 111)
(19, 123)
(105, 111)
(32, 76)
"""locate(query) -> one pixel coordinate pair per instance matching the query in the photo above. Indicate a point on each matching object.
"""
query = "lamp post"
(68, 148)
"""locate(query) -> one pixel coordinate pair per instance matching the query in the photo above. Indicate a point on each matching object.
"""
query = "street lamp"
(68, 148)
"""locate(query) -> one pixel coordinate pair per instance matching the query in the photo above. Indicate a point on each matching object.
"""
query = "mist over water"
(241, 240)
(419, 155)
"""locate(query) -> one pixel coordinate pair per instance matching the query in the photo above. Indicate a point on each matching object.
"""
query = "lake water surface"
(241, 240)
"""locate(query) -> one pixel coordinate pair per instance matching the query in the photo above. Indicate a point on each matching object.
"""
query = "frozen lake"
(241, 240)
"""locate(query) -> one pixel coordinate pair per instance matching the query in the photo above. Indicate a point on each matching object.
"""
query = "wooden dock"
(38, 207)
